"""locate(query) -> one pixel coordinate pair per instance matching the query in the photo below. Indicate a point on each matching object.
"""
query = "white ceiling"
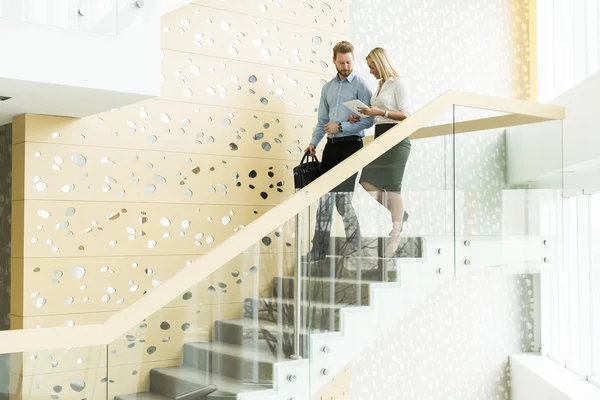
(51, 99)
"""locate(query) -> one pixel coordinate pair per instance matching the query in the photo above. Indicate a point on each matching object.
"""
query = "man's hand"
(311, 150)
(331, 128)
(353, 118)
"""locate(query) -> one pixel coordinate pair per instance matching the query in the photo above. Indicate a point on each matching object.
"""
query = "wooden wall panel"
(180, 127)
(158, 338)
(97, 229)
(83, 254)
(92, 383)
(250, 39)
(89, 384)
(100, 174)
(60, 360)
(200, 79)
(331, 15)
(100, 286)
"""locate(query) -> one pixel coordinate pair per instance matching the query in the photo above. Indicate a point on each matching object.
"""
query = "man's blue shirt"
(331, 108)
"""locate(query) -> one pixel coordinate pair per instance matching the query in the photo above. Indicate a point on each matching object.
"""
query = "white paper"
(353, 105)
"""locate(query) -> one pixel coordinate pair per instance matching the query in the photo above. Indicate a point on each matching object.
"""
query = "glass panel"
(508, 189)
(595, 286)
(387, 210)
(390, 224)
(98, 16)
(254, 324)
(74, 373)
(571, 278)
(230, 335)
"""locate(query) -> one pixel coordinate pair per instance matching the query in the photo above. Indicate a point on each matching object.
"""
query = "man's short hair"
(343, 47)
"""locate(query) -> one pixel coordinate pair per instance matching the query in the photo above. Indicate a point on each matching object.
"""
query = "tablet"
(353, 105)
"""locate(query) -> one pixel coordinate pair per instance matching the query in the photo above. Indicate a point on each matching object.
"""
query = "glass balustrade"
(473, 191)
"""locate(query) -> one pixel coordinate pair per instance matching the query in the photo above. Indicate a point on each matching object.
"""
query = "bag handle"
(305, 157)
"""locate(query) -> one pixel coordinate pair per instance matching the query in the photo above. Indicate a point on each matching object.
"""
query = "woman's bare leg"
(395, 204)
(373, 191)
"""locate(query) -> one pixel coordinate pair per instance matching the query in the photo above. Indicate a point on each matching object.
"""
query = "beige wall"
(5, 218)
(107, 207)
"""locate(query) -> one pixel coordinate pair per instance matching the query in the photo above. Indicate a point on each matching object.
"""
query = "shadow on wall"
(5, 212)
(5, 217)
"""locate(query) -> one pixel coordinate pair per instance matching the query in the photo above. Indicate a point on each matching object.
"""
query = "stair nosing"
(233, 350)
(336, 280)
(266, 324)
(218, 381)
(304, 303)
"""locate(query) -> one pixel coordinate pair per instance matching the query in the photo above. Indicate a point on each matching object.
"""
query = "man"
(343, 139)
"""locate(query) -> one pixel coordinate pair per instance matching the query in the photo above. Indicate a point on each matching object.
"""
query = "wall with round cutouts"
(108, 207)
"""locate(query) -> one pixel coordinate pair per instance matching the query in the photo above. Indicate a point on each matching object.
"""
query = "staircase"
(348, 299)
(350, 302)
(243, 352)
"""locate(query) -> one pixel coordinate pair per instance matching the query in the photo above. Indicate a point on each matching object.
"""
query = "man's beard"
(344, 74)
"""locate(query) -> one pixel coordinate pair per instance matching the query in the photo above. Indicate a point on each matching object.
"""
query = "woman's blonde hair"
(379, 57)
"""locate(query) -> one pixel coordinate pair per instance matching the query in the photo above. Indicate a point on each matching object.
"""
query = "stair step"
(175, 382)
(219, 395)
(325, 289)
(247, 365)
(256, 333)
(142, 396)
(353, 268)
(411, 246)
(319, 315)
(186, 378)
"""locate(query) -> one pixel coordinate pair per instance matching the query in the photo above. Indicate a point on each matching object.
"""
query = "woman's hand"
(353, 118)
(371, 111)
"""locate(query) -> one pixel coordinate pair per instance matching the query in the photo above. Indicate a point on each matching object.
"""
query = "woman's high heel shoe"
(395, 239)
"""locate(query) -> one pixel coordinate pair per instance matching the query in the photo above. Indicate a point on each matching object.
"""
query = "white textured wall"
(457, 345)
(468, 45)
(441, 45)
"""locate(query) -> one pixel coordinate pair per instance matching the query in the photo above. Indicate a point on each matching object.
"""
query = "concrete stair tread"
(267, 325)
(370, 239)
(327, 279)
(142, 396)
(403, 260)
(241, 352)
(367, 258)
(203, 379)
(218, 395)
(304, 303)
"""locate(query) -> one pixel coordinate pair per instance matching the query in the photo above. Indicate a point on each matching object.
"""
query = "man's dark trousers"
(336, 150)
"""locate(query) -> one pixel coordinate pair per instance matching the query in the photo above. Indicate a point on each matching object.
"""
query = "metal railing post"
(298, 289)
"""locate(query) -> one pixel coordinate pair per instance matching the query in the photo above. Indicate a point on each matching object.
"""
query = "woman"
(389, 105)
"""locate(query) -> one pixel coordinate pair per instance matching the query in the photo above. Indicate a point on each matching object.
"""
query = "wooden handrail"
(519, 113)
